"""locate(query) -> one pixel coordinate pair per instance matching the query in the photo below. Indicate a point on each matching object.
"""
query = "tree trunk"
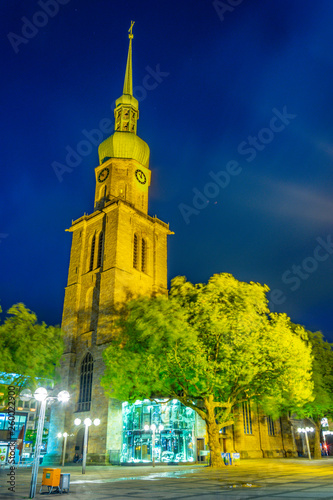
(213, 434)
(317, 450)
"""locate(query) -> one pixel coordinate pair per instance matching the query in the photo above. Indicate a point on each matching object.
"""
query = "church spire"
(128, 82)
(124, 142)
(127, 107)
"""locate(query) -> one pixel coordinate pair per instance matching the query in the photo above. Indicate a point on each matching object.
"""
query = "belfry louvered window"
(135, 252)
(143, 255)
(100, 249)
(86, 376)
(92, 253)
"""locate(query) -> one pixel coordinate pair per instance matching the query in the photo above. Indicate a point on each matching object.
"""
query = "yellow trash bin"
(51, 478)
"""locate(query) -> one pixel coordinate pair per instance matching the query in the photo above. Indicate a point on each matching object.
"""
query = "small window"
(135, 252)
(100, 249)
(143, 256)
(247, 419)
(270, 426)
(87, 312)
(121, 190)
(92, 253)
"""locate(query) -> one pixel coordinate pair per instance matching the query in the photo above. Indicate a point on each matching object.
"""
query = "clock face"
(103, 175)
(140, 176)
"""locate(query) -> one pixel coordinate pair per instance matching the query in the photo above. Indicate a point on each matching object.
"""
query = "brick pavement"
(279, 479)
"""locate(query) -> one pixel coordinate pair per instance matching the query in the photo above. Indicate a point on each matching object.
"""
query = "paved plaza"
(250, 479)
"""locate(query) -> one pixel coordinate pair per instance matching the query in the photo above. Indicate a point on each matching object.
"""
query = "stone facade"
(118, 252)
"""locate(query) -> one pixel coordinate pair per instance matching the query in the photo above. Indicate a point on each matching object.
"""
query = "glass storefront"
(163, 431)
(20, 421)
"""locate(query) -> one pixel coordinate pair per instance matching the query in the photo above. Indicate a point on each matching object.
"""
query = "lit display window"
(20, 421)
(163, 431)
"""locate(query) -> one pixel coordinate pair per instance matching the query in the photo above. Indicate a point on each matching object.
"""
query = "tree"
(211, 346)
(322, 404)
(28, 349)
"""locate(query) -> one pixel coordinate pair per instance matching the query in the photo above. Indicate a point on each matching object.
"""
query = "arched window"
(143, 255)
(136, 252)
(270, 426)
(247, 418)
(92, 253)
(86, 376)
(100, 249)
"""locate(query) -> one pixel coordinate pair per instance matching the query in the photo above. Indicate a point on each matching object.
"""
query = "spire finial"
(128, 84)
(130, 30)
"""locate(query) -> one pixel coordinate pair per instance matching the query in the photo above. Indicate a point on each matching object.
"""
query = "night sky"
(243, 98)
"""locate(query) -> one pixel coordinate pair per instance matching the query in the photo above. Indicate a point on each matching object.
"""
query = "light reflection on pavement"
(151, 477)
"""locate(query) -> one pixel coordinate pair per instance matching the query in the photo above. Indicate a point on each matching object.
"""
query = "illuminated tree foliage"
(28, 349)
(211, 346)
(322, 404)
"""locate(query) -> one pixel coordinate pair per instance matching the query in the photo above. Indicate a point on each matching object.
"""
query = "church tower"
(118, 252)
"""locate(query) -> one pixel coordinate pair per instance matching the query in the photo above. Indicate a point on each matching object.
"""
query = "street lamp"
(41, 396)
(65, 436)
(305, 430)
(87, 423)
(153, 428)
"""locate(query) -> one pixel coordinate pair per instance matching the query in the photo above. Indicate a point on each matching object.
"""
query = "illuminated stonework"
(118, 252)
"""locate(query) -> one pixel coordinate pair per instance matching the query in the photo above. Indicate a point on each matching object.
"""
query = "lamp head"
(63, 396)
(40, 394)
(87, 422)
(25, 395)
(77, 421)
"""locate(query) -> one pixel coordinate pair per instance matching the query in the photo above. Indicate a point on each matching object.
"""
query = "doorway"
(79, 442)
(200, 447)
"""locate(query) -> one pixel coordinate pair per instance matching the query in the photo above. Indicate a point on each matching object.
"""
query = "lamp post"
(153, 428)
(87, 423)
(65, 436)
(41, 396)
(305, 430)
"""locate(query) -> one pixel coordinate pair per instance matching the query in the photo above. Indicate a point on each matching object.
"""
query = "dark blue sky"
(221, 84)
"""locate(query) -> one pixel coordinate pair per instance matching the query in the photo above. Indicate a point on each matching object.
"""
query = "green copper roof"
(124, 145)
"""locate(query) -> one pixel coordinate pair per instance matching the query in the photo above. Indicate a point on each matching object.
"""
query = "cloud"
(293, 201)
